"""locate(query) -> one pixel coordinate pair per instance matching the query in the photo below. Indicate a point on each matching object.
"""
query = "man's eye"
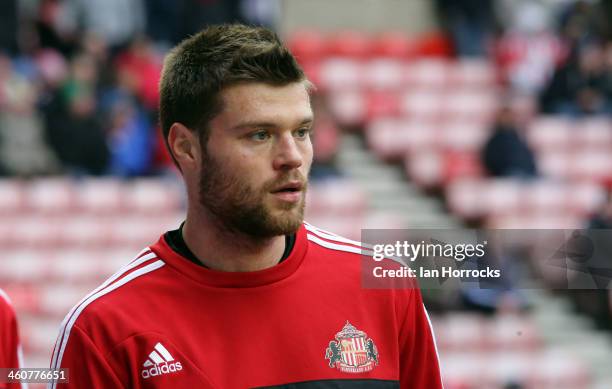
(302, 132)
(260, 135)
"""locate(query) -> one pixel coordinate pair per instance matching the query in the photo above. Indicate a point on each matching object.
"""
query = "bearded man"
(245, 293)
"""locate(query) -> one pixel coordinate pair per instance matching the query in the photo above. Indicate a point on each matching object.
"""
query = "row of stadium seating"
(141, 197)
(311, 45)
(335, 74)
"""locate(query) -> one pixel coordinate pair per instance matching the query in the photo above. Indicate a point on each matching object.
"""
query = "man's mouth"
(290, 187)
(289, 192)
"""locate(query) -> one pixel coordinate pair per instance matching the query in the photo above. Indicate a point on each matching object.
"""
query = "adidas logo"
(160, 362)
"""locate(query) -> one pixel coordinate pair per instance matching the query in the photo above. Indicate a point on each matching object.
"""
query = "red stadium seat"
(352, 44)
(329, 198)
(471, 104)
(502, 196)
(384, 74)
(393, 138)
(585, 198)
(348, 107)
(11, 196)
(594, 133)
(395, 45)
(427, 73)
(382, 104)
(99, 196)
(435, 44)
(554, 163)
(467, 136)
(545, 196)
(422, 104)
(465, 198)
(473, 74)
(426, 168)
(50, 196)
(341, 74)
(550, 132)
(461, 165)
(592, 166)
(307, 45)
(153, 197)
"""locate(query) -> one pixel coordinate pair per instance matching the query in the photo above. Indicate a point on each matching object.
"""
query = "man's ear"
(184, 146)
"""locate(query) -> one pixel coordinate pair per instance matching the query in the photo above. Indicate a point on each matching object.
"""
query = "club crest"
(352, 351)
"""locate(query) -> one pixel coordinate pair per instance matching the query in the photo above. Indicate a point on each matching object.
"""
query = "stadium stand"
(417, 105)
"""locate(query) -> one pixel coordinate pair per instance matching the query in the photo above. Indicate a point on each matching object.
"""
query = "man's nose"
(288, 154)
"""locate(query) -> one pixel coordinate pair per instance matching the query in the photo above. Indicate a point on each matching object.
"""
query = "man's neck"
(223, 250)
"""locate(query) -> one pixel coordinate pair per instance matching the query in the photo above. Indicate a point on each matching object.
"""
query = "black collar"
(177, 243)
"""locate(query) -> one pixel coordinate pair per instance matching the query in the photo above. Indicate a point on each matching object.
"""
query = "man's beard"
(239, 208)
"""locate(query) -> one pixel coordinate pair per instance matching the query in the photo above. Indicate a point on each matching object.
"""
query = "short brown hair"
(198, 69)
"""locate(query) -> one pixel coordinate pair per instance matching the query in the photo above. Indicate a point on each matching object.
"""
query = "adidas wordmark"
(160, 362)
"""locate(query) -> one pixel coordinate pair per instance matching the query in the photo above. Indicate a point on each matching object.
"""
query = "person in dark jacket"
(506, 153)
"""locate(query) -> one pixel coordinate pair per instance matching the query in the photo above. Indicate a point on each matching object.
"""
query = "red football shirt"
(165, 322)
(10, 352)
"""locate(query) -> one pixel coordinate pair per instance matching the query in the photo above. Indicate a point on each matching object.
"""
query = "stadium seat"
(501, 196)
(384, 74)
(351, 44)
(341, 74)
(550, 132)
(475, 105)
(154, 197)
(465, 198)
(396, 139)
(348, 107)
(466, 135)
(422, 104)
(382, 104)
(395, 44)
(329, 198)
(11, 197)
(594, 133)
(99, 196)
(307, 45)
(554, 163)
(592, 166)
(585, 198)
(473, 74)
(425, 167)
(431, 73)
(50, 196)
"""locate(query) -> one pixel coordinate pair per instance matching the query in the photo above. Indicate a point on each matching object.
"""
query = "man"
(10, 349)
(244, 294)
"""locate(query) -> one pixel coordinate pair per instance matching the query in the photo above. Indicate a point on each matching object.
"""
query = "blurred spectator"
(582, 23)
(114, 21)
(603, 219)
(528, 50)
(73, 125)
(138, 71)
(470, 24)
(9, 27)
(506, 153)
(23, 151)
(130, 139)
(55, 27)
(581, 86)
(326, 141)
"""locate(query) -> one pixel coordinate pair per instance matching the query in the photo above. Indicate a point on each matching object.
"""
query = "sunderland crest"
(352, 351)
